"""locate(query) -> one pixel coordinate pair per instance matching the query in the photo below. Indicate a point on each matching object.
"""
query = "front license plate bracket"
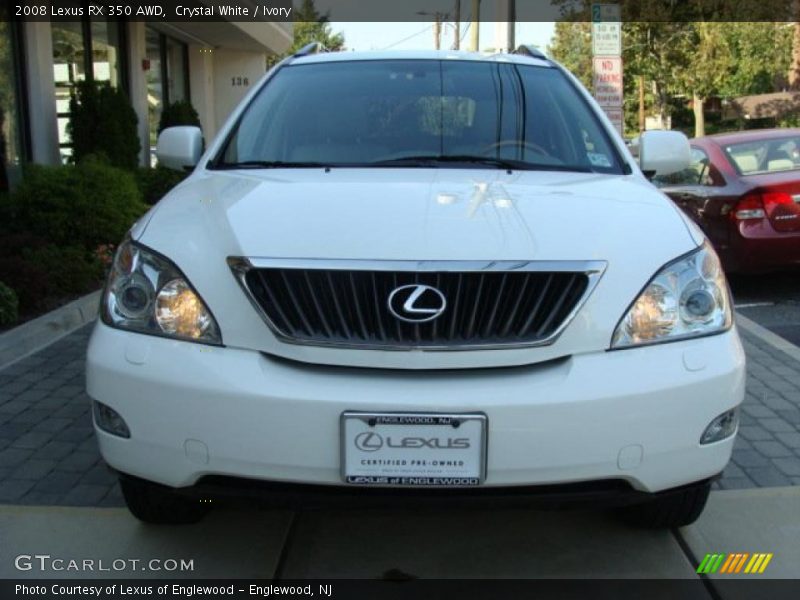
(413, 449)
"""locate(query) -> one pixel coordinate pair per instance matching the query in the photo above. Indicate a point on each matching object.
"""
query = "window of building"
(167, 77)
(11, 119)
(83, 50)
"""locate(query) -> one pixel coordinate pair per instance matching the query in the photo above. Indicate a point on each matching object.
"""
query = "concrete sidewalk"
(425, 544)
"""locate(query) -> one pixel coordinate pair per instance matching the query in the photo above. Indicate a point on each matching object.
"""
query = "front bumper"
(634, 415)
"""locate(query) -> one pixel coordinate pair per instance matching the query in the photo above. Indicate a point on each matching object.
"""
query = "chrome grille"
(502, 305)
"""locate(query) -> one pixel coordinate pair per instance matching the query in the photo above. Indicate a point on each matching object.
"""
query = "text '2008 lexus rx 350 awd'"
(411, 276)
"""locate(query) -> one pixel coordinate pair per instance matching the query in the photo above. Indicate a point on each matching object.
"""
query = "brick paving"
(48, 454)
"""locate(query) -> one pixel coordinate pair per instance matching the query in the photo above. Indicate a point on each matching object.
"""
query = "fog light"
(724, 426)
(110, 420)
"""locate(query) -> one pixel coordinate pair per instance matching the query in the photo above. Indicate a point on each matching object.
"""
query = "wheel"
(674, 508)
(153, 503)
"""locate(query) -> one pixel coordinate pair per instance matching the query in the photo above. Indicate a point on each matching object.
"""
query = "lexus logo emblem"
(416, 303)
(368, 441)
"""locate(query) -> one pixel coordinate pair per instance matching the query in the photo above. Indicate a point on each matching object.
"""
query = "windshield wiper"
(432, 160)
(269, 164)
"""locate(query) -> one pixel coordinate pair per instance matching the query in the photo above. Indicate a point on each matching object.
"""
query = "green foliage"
(789, 120)
(102, 122)
(59, 223)
(760, 58)
(572, 47)
(310, 26)
(155, 183)
(85, 205)
(44, 274)
(71, 270)
(9, 305)
(680, 56)
(178, 113)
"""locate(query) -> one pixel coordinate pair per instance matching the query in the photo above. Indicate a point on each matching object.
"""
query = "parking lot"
(48, 458)
(773, 301)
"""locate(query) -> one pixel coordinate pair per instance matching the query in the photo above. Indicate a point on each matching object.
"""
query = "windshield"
(425, 113)
(765, 156)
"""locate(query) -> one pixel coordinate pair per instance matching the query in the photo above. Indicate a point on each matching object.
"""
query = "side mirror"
(661, 152)
(180, 148)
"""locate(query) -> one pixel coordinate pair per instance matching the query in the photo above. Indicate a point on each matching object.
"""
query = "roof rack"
(312, 48)
(532, 51)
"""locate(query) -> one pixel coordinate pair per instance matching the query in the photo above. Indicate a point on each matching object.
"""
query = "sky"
(419, 35)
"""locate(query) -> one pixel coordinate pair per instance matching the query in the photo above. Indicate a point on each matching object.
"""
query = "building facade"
(210, 64)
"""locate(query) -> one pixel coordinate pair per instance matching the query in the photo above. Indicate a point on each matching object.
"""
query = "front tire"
(674, 508)
(157, 504)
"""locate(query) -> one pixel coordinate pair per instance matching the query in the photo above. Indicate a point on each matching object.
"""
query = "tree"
(650, 55)
(103, 123)
(572, 47)
(310, 26)
(760, 57)
(707, 63)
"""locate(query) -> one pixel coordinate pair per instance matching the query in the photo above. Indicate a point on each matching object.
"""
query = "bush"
(9, 305)
(71, 270)
(85, 205)
(102, 122)
(60, 223)
(29, 280)
(155, 183)
(44, 274)
(178, 113)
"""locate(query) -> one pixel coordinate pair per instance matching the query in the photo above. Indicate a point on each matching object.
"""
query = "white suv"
(412, 276)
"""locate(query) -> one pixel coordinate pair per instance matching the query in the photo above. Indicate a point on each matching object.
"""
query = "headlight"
(687, 298)
(148, 294)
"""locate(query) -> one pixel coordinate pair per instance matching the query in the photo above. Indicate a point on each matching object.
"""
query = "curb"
(766, 336)
(43, 331)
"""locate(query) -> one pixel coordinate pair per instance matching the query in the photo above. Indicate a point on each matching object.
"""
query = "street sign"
(607, 73)
(615, 115)
(607, 61)
(602, 13)
(606, 30)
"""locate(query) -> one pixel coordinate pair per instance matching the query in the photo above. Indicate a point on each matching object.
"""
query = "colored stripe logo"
(737, 562)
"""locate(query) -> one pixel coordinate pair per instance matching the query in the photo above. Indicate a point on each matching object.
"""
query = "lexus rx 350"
(417, 276)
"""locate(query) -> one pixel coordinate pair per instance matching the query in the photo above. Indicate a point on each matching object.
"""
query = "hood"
(417, 214)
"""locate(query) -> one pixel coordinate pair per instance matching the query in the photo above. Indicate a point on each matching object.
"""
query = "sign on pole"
(607, 71)
(606, 30)
(615, 115)
(607, 61)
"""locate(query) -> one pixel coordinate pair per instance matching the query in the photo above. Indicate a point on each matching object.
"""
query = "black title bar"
(395, 10)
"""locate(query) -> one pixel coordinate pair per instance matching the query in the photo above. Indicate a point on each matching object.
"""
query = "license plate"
(413, 449)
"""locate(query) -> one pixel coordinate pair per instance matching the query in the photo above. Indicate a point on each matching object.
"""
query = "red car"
(743, 190)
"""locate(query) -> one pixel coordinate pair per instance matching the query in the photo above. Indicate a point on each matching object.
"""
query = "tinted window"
(765, 156)
(365, 112)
